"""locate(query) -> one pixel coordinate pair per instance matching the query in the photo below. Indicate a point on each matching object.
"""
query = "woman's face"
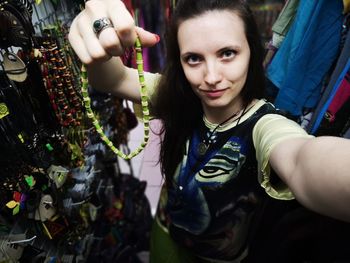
(215, 58)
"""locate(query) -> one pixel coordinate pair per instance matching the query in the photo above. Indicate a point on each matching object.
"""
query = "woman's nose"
(212, 74)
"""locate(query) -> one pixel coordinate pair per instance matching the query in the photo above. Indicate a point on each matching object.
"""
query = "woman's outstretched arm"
(317, 170)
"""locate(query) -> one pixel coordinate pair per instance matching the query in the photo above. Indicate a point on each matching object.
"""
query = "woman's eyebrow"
(189, 53)
(234, 47)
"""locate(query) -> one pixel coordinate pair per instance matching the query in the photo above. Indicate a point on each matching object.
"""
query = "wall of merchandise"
(63, 197)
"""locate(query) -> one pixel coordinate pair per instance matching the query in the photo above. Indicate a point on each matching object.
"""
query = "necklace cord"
(204, 145)
(229, 118)
(144, 103)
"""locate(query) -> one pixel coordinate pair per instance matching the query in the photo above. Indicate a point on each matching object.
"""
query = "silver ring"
(100, 24)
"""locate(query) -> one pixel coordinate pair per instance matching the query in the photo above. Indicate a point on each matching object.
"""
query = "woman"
(221, 139)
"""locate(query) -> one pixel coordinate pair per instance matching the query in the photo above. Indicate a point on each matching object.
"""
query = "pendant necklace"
(203, 146)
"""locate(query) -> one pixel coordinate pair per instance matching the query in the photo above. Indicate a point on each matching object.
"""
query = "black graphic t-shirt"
(211, 204)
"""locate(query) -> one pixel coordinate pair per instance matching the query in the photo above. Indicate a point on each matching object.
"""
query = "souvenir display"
(64, 198)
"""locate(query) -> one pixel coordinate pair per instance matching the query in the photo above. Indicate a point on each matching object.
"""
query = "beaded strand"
(144, 104)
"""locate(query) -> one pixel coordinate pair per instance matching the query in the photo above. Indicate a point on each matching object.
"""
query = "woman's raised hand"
(105, 28)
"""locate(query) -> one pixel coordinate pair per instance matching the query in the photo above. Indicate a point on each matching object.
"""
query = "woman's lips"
(213, 94)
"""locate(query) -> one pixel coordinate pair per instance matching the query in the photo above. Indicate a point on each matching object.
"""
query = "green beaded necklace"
(144, 104)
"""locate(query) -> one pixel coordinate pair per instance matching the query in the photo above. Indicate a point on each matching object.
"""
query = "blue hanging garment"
(306, 55)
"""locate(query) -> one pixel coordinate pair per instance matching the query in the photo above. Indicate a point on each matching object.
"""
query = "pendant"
(202, 148)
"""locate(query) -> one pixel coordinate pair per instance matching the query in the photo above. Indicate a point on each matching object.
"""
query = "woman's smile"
(214, 94)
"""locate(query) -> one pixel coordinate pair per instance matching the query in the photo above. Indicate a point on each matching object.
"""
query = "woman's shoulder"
(263, 105)
(259, 108)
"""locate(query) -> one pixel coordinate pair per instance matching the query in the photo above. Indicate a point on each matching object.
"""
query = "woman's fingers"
(124, 24)
(92, 44)
(110, 41)
(78, 44)
(147, 38)
(105, 43)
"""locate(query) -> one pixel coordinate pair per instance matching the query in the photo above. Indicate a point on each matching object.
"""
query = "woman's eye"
(192, 59)
(228, 54)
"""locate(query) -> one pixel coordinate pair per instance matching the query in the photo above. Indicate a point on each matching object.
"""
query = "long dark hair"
(176, 104)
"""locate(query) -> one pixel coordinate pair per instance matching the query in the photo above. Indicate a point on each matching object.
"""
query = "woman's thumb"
(147, 38)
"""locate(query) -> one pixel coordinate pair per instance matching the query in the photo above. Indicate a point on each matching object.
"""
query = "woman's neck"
(218, 115)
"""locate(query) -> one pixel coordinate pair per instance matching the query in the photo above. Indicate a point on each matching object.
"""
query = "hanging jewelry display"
(59, 85)
(144, 103)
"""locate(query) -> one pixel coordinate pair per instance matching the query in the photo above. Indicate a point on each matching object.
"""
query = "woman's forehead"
(212, 27)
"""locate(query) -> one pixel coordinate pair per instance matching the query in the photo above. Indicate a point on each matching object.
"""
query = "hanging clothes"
(342, 95)
(306, 55)
(338, 126)
(284, 21)
(155, 19)
(332, 91)
(332, 86)
(280, 29)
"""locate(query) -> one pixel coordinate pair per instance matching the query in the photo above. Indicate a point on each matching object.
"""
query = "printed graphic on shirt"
(224, 166)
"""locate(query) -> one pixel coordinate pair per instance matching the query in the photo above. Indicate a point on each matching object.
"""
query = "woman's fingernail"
(157, 37)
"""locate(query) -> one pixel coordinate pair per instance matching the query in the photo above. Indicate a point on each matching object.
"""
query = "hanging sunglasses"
(144, 103)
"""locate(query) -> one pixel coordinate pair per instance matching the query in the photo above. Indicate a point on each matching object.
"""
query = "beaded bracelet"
(144, 104)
